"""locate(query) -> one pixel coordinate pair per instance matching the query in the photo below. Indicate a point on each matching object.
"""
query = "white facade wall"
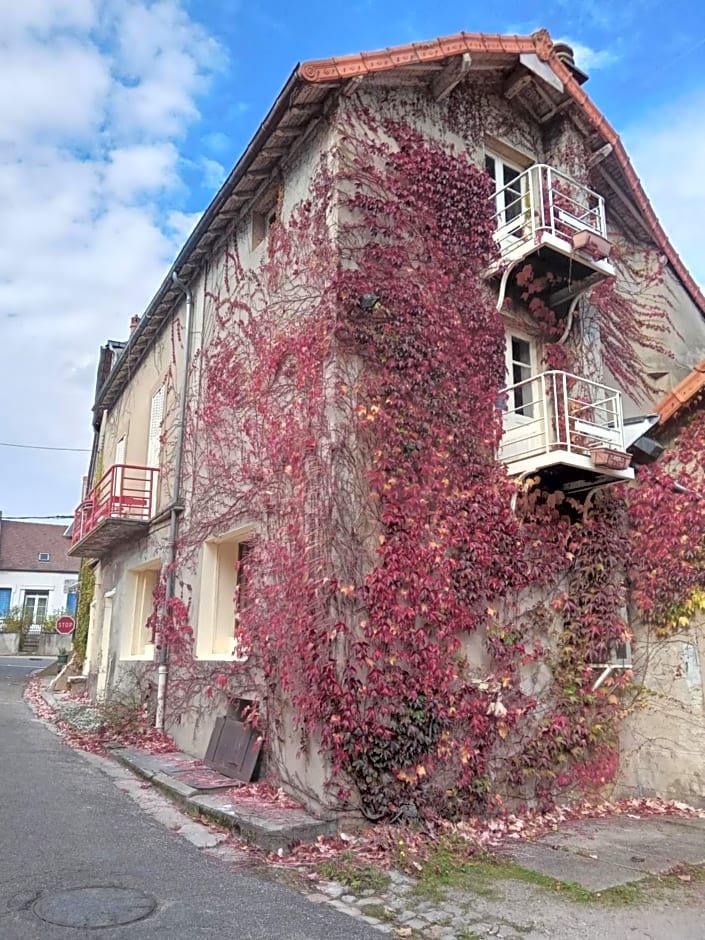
(55, 582)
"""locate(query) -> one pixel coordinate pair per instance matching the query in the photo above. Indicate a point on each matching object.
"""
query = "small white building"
(36, 574)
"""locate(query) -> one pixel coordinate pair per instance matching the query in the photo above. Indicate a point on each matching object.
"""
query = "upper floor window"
(156, 417)
(521, 362)
(43, 556)
(511, 191)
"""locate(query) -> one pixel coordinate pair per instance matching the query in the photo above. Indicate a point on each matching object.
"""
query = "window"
(43, 556)
(265, 215)
(5, 600)
(156, 416)
(511, 194)
(225, 591)
(120, 451)
(143, 583)
(35, 607)
(521, 366)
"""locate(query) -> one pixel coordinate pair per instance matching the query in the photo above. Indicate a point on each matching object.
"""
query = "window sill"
(220, 658)
(146, 657)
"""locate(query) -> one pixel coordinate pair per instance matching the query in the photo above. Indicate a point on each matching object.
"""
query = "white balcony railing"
(557, 417)
(544, 205)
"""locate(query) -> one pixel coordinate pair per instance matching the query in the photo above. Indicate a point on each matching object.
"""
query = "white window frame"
(36, 593)
(508, 228)
(154, 431)
(532, 365)
(217, 605)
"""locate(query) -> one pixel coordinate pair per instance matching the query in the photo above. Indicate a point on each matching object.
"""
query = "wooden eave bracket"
(451, 76)
(517, 81)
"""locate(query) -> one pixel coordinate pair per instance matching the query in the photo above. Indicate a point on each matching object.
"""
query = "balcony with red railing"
(119, 506)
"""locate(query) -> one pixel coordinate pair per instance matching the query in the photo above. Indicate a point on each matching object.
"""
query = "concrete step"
(269, 827)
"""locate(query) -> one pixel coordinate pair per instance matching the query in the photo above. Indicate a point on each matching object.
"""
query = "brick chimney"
(133, 324)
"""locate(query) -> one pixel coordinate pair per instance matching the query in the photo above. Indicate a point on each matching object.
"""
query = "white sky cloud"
(92, 110)
(668, 152)
(588, 59)
(213, 172)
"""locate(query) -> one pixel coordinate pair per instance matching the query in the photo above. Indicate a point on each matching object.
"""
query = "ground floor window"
(35, 607)
(143, 580)
(224, 591)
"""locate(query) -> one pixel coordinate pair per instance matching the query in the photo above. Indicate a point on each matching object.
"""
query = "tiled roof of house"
(22, 542)
(682, 394)
(302, 102)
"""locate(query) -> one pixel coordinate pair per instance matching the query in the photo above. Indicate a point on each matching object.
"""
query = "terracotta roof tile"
(21, 543)
(682, 394)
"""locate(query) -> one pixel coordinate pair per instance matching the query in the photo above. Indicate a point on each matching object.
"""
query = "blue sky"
(120, 118)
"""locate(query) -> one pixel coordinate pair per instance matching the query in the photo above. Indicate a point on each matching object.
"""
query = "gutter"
(163, 668)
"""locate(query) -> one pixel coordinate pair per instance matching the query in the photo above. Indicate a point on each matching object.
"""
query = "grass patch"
(355, 875)
(379, 911)
(446, 868)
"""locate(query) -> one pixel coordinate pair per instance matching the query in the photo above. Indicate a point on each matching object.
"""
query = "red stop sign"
(65, 625)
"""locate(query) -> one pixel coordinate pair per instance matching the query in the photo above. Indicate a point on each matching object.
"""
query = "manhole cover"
(94, 907)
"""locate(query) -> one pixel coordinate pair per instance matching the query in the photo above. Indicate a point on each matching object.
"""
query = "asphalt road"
(64, 825)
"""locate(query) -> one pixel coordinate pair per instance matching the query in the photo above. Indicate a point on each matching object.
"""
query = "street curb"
(267, 830)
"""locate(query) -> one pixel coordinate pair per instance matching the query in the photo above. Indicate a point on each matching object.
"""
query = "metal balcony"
(119, 506)
(543, 211)
(564, 422)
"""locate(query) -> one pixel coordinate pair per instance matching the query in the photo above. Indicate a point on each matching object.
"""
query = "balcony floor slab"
(555, 459)
(108, 533)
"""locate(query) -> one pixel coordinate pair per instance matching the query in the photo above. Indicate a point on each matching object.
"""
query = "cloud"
(213, 173)
(95, 100)
(668, 151)
(591, 60)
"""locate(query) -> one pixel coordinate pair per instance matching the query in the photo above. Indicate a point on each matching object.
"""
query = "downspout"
(163, 669)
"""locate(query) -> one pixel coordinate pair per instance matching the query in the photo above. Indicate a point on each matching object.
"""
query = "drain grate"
(94, 907)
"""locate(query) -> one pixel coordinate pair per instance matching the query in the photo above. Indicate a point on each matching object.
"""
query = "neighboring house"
(220, 451)
(663, 742)
(36, 573)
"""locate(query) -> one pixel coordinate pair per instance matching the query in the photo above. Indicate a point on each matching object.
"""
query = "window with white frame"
(156, 417)
(35, 607)
(143, 582)
(511, 193)
(521, 363)
(224, 592)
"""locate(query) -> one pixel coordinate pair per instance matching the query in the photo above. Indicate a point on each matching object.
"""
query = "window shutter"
(120, 451)
(155, 428)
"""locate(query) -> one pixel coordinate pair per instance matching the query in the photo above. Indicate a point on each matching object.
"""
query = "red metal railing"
(124, 492)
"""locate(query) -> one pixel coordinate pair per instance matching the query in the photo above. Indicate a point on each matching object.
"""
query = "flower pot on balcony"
(592, 244)
(610, 458)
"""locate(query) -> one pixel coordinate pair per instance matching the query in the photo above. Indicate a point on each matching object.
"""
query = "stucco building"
(163, 518)
(36, 573)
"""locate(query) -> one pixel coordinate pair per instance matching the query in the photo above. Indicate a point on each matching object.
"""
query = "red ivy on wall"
(349, 410)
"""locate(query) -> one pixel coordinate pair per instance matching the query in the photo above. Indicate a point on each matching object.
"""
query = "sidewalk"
(636, 874)
(202, 791)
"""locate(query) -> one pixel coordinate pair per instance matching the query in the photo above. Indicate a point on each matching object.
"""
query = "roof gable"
(22, 542)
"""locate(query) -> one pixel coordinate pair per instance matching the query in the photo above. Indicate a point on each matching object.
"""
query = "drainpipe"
(163, 669)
